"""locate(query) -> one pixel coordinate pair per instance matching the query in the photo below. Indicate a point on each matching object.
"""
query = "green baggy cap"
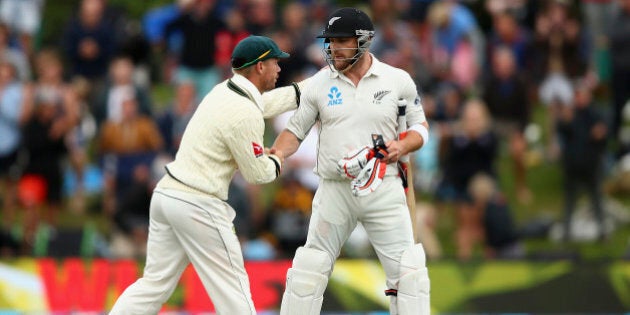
(253, 49)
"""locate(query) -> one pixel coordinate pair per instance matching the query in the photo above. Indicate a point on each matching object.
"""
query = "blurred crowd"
(87, 122)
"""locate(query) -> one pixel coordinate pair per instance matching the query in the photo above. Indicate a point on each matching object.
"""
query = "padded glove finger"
(370, 177)
(351, 165)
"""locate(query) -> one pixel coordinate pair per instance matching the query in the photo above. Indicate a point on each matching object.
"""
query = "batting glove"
(351, 165)
(371, 176)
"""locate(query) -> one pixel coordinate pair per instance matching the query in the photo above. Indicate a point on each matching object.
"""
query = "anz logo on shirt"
(334, 97)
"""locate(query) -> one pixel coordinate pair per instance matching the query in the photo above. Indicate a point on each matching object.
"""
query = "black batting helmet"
(344, 23)
(348, 22)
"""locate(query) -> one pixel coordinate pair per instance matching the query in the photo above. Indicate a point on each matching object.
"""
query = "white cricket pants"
(383, 213)
(192, 228)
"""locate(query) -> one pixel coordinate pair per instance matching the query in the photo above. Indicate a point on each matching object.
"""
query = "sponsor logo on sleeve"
(258, 149)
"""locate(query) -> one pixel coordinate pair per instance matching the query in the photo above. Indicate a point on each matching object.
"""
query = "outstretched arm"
(286, 144)
(282, 99)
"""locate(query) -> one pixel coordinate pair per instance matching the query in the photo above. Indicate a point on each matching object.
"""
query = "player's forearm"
(414, 140)
(286, 144)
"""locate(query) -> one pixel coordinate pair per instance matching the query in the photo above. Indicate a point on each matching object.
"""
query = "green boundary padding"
(487, 278)
(619, 274)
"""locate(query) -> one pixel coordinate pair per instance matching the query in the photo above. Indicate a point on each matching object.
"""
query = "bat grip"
(404, 158)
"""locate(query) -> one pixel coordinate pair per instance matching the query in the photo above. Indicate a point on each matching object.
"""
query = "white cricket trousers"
(191, 228)
(383, 213)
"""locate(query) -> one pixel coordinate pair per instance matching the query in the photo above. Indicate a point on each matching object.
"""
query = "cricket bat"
(406, 167)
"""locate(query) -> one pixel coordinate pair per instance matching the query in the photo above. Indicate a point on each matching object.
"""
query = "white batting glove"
(351, 165)
(371, 176)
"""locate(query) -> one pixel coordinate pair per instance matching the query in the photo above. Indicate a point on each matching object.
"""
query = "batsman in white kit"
(355, 104)
(190, 222)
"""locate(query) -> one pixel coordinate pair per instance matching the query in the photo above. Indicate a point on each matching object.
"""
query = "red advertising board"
(77, 286)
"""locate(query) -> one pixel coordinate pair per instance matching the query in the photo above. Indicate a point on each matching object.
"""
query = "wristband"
(422, 130)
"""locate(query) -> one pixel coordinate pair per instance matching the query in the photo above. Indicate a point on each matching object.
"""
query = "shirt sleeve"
(283, 99)
(246, 147)
(414, 111)
(304, 117)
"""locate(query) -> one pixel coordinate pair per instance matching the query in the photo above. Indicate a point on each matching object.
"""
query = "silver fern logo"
(378, 96)
(332, 20)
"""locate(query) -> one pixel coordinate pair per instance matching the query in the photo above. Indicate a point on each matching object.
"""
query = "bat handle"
(404, 158)
(402, 105)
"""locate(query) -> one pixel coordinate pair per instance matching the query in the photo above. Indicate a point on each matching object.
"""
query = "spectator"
(15, 56)
(508, 33)
(294, 68)
(464, 65)
(620, 50)
(227, 39)
(555, 92)
(425, 223)
(470, 149)
(174, 120)
(126, 144)
(260, 16)
(44, 143)
(108, 105)
(134, 45)
(505, 93)
(199, 27)
(51, 87)
(453, 27)
(80, 138)
(24, 17)
(500, 236)
(599, 17)
(295, 21)
(15, 111)
(582, 135)
(239, 199)
(56, 114)
(89, 42)
(395, 44)
(449, 99)
(132, 211)
(427, 161)
(294, 37)
(164, 48)
(558, 44)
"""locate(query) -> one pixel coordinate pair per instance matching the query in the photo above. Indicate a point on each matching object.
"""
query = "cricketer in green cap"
(253, 49)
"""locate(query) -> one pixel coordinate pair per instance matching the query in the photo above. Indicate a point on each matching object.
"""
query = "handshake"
(365, 167)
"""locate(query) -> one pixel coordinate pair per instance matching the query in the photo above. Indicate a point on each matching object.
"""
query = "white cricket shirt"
(348, 115)
(225, 134)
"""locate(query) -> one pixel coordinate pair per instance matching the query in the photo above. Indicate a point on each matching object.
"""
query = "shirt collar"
(376, 68)
(250, 89)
